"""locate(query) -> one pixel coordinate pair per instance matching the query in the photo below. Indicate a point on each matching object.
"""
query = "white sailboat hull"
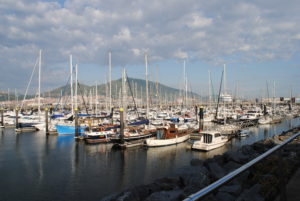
(166, 142)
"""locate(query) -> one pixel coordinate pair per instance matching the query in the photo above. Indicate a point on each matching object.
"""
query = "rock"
(168, 183)
(230, 166)
(269, 184)
(222, 196)
(164, 196)
(135, 193)
(232, 189)
(277, 139)
(238, 157)
(215, 170)
(194, 176)
(242, 179)
(247, 150)
(259, 147)
(252, 194)
(269, 143)
(210, 198)
(188, 190)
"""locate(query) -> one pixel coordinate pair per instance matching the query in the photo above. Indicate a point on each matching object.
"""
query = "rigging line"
(63, 92)
(29, 82)
(80, 91)
(132, 95)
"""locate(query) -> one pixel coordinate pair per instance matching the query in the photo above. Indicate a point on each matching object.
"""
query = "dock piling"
(17, 118)
(46, 121)
(112, 115)
(196, 112)
(201, 117)
(76, 123)
(2, 117)
(122, 125)
(265, 110)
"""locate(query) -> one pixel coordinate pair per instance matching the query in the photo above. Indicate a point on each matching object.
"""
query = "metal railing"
(205, 191)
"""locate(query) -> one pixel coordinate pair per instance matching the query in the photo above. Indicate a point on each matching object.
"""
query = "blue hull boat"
(69, 130)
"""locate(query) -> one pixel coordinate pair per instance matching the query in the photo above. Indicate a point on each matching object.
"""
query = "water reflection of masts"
(290, 123)
(75, 156)
(266, 133)
(133, 167)
(2, 136)
(50, 143)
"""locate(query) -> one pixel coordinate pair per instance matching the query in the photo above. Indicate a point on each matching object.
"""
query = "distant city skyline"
(259, 42)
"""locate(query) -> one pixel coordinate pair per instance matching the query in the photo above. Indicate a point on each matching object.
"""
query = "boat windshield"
(217, 135)
(207, 138)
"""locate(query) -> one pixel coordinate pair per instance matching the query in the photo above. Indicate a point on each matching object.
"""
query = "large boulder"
(223, 196)
(238, 157)
(230, 166)
(215, 170)
(251, 194)
(234, 189)
(193, 176)
(164, 196)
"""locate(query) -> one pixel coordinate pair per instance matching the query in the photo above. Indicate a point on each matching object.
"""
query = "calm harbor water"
(36, 167)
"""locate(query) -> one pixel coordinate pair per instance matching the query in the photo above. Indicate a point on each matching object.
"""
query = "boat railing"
(217, 184)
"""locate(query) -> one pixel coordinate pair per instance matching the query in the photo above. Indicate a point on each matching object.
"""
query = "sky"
(259, 41)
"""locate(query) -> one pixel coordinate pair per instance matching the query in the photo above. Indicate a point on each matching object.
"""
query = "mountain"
(4, 96)
(138, 88)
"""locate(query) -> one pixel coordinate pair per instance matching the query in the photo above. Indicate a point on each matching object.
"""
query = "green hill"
(138, 87)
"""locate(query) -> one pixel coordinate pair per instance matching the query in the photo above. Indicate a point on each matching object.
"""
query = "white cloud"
(180, 54)
(123, 35)
(197, 21)
(203, 30)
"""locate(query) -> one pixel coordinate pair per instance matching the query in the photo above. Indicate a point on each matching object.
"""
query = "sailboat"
(26, 123)
(133, 131)
(68, 127)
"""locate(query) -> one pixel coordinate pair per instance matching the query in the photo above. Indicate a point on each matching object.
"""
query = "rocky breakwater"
(263, 181)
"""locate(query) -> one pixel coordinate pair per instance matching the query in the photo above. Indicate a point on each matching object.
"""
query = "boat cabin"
(209, 137)
(171, 132)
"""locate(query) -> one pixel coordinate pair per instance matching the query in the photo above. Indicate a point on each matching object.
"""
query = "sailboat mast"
(61, 96)
(16, 98)
(124, 94)
(96, 104)
(209, 89)
(274, 97)
(147, 92)
(71, 84)
(110, 103)
(106, 94)
(39, 90)
(185, 83)
(291, 96)
(76, 86)
(225, 87)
